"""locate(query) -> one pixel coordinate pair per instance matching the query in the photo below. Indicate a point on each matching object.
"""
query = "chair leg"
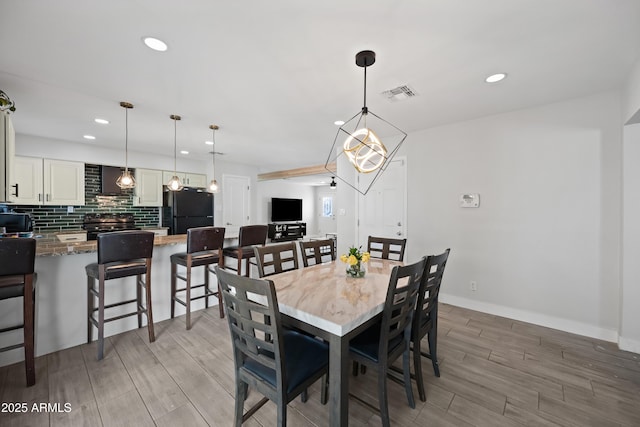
(152, 335)
(29, 317)
(206, 286)
(282, 412)
(241, 395)
(139, 300)
(406, 362)
(174, 271)
(101, 317)
(433, 342)
(417, 366)
(187, 299)
(304, 396)
(90, 300)
(220, 305)
(383, 398)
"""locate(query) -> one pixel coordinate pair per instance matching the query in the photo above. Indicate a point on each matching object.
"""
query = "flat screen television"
(286, 209)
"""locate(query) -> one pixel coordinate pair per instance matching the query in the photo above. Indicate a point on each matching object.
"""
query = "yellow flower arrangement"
(355, 259)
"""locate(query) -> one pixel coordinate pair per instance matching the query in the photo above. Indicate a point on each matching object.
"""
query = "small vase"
(356, 270)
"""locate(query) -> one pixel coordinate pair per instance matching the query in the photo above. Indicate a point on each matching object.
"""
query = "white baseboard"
(627, 344)
(540, 319)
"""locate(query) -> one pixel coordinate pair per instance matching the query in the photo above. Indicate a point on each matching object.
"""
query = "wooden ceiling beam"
(291, 173)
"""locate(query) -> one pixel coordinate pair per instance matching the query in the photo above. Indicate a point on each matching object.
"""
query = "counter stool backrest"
(252, 235)
(124, 246)
(17, 256)
(200, 239)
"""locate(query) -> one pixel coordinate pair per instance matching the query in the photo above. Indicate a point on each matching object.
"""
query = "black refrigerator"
(190, 207)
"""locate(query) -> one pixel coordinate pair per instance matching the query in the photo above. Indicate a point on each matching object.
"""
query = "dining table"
(324, 301)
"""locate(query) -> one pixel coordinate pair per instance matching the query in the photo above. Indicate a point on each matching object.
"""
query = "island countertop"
(49, 245)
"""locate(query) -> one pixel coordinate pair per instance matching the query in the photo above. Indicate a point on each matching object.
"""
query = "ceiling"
(275, 75)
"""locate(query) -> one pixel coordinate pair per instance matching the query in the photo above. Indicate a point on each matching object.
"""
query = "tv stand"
(282, 232)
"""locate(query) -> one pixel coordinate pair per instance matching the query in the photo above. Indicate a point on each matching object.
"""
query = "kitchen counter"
(49, 245)
(61, 293)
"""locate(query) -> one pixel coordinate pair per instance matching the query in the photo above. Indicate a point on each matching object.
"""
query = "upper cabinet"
(188, 179)
(36, 181)
(148, 190)
(7, 147)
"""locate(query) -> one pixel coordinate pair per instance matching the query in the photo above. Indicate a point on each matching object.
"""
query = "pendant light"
(333, 184)
(126, 180)
(213, 185)
(174, 183)
(357, 144)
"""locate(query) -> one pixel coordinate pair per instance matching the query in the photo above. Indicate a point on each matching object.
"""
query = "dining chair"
(204, 248)
(382, 343)
(248, 236)
(17, 280)
(274, 259)
(280, 368)
(425, 319)
(120, 254)
(317, 251)
(386, 248)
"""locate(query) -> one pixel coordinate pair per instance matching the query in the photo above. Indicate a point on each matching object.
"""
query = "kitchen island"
(61, 294)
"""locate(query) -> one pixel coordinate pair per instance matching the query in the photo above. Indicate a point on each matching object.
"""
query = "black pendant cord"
(364, 108)
(126, 140)
(175, 147)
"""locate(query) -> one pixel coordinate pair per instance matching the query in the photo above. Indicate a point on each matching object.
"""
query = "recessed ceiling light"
(209, 142)
(495, 78)
(155, 44)
(184, 152)
(102, 121)
(338, 122)
(89, 137)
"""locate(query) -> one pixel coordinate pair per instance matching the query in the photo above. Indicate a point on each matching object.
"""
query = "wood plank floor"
(494, 372)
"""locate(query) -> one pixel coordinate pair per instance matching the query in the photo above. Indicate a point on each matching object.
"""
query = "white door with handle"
(382, 211)
(235, 203)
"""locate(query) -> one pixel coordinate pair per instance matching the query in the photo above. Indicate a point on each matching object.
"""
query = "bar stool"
(120, 254)
(204, 248)
(249, 235)
(17, 280)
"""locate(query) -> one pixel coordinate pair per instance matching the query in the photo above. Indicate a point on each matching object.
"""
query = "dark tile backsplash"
(49, 219)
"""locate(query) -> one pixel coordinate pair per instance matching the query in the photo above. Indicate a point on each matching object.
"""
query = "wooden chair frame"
(274, 259)
(316, 249)
(389, 248)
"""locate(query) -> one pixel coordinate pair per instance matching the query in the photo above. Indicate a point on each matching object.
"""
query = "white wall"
(544, 246)
(288, 190)
(630, 298)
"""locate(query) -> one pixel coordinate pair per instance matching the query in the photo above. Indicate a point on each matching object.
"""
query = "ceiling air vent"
(399, 93)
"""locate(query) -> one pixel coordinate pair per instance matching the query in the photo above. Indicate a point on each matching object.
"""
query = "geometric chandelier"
(365, 144)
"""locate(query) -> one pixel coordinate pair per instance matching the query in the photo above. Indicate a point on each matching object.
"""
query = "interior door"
(235, 202)
(382, 211)
(326, 213)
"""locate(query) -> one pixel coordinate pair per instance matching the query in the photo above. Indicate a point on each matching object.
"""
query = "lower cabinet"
(285, 232)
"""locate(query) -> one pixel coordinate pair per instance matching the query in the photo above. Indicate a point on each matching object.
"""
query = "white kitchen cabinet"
(188, 179)
(63, 183)
(7, 151)
(148, 190)
(27, 181)
(36, 181)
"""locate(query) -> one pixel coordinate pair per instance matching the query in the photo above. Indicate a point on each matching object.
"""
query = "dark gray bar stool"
(17, 259)
(120, 254)
(204, 248)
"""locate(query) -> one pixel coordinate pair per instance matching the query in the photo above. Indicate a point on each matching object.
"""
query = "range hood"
(108, 177)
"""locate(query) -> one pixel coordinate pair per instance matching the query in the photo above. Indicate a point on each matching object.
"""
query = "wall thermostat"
(470, 200)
